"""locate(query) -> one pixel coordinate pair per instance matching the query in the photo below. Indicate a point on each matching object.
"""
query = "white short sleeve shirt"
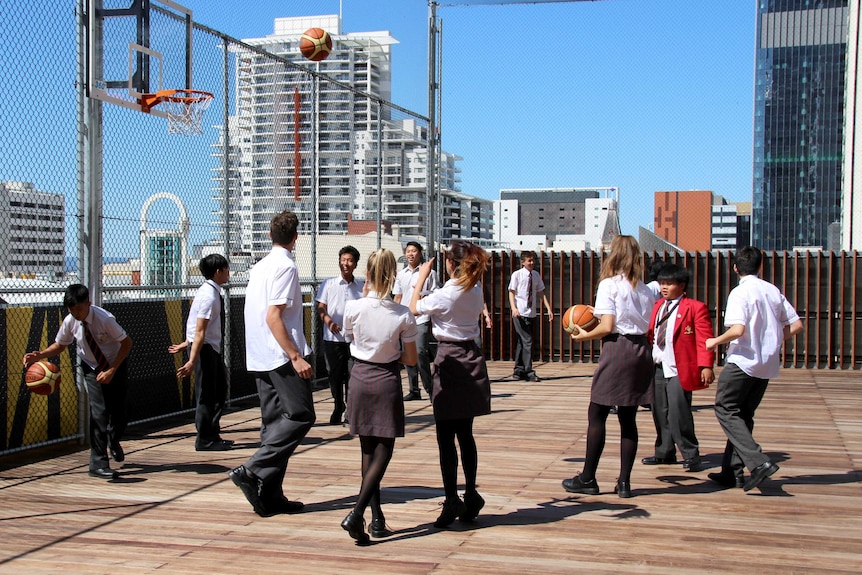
(206, 305)
(630, 306)
(273, 281)
(764, 311)
(378, 328)
(105, 329)
(455, 312)
(335, 293)
(405, 283)
(527, 303)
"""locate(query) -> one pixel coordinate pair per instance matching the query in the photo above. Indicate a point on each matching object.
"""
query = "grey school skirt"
(461, 385)
(625, 372)
(375, 407)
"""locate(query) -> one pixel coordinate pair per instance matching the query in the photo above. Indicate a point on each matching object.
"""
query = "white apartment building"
(562, 219)
(340, 160)
(32, 231)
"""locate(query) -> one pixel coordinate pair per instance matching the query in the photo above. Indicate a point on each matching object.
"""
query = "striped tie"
(101, 361)
(661, 328)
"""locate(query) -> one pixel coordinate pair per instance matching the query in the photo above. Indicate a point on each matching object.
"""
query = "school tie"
(530, 290)
(223, 320)
(661, 327)
(101, 361)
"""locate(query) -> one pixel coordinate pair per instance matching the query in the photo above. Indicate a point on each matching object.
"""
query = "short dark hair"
(283, 227)
(654, 268)
(416, 245)
(349, 250)
(528, 254)
(673, 273)
(748, 260)
(75, 294)
(212, 263)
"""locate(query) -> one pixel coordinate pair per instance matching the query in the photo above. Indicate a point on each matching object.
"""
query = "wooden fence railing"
(824, 287)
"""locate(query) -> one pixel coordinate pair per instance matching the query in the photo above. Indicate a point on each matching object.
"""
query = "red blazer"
(692, 328)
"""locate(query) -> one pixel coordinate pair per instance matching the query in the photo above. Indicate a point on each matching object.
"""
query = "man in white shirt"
(759, 319)
(525, 289)
(103, 349)
(332, 297)
(275, 350)
(204, 333)
(402, 291)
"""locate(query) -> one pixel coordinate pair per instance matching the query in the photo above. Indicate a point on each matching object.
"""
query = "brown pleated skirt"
(375, 407)
(625, 372)
(461, 385)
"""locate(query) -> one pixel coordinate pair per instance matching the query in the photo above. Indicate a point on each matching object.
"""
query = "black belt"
(636, 337)
(388, 364)
(465, 343)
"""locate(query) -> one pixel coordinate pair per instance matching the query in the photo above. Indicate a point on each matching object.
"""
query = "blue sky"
(642, 95)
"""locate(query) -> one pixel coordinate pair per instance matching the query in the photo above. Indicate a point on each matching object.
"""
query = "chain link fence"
(276, 136)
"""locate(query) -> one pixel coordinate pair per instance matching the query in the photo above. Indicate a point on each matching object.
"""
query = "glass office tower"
(798, 122)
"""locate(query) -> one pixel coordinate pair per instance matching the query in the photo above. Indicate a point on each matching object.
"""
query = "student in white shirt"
(758, 319)
(526, 295)
(383, 337)
(462, 390)
(204, 330)
(402, 291)
(332, 298)
(275, 349)
(624, 377)
(103, 348)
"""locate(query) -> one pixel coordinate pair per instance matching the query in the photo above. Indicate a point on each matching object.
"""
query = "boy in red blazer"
(679, 329)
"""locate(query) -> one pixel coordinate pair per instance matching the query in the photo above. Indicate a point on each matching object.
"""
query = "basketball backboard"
(137, 47)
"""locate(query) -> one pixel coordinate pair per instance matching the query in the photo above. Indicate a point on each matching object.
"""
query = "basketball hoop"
(184, 109)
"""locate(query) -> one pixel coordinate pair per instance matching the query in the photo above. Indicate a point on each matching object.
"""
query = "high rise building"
(799, 121)
(850, 232)
(32, 231)
(698, 220)
(344, 171)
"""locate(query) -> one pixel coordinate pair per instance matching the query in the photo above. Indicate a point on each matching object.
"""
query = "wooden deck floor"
(176, 511)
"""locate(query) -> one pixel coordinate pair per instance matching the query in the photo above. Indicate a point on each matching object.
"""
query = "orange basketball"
(42, 377)
(579, 317)
(315, 44)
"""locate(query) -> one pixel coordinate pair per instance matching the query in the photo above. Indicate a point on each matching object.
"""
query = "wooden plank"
(175, 510)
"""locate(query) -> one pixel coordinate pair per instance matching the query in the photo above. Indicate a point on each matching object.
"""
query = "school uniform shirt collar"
(285, 251)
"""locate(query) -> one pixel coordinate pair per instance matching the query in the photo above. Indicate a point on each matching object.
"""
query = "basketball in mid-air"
(315, 44)
(579, 317)
(42, 377)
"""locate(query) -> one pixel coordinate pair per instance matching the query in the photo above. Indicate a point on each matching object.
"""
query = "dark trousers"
(210, 395)
(422, 369)
(286, 416)
(736, 400)
(524, 345)
(107, 413)
(674, 423)
(338, 364)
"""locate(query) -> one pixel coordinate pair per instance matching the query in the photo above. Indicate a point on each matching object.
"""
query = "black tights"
(376, 454)
(598, 416)
(447, 430)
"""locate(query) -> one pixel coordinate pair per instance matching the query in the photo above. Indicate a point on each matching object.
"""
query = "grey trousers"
(674, 423)
(736, 400)
(286, 416)
(422, 369)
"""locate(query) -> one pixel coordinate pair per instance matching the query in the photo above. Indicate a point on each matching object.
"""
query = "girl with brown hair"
(625, 372)
(461, 389)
